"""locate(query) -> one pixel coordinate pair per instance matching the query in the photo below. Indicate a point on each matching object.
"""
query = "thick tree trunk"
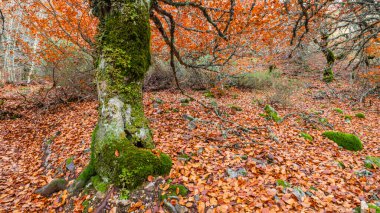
(121, 143)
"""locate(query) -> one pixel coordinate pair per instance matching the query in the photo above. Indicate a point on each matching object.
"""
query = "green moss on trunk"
(120, 162)
(121, 142)
(330, 57)
(328, 75)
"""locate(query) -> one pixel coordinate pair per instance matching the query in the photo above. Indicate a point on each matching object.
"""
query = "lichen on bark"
(122, 141)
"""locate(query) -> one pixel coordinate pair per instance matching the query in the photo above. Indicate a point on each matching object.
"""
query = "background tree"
(2, 19)
(348, 28)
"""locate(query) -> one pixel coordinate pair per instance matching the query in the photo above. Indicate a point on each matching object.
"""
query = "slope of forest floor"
(233, 164)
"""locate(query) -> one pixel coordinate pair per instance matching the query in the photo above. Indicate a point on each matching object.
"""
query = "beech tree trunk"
(328, 73)
(122, 141)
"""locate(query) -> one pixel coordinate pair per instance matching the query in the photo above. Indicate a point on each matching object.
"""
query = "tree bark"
(328, 73)
(122, 141)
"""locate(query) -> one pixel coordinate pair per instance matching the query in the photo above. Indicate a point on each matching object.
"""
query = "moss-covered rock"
(185, 100)
(306, 136)
(338, 110)
(271, 114)
(360, 115)
(235, 108)
(345, 140)
(348, 118)
(372, 162)
(324, 121)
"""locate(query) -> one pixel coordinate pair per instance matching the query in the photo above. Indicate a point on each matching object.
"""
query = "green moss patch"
(372, 162)
(338, 110)
(209, 94)
(360, 115)
(347, 141)
(283, 183)
(131, 166)
(271, 114)
(159, 101)
(373, 206)
(348, 118)
(306, 136)
(86, 205)
(98, 184)
(235, 108)
(173, 189)
(341, 165)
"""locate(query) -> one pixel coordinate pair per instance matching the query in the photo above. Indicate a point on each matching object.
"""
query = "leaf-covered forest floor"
(207, 152)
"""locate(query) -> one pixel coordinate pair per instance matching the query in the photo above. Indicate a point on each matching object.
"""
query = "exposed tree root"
(54, 186)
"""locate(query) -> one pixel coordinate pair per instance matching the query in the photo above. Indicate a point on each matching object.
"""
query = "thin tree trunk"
(328, 73)
(35, 46)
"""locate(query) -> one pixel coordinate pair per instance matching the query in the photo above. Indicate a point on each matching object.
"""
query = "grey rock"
(181, 209)
(236, 173)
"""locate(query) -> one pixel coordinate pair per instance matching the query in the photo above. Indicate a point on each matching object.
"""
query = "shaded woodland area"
(189, 106)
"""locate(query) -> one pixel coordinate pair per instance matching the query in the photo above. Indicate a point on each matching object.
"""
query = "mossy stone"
(306, 136)
(360, 115)
(338, 110)
(347, 141)
(271, 114)
(370, 162)
(348, 118)
(185, 100)
(235, 108)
